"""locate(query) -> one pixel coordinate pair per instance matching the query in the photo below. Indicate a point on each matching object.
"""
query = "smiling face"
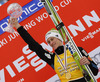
(54, 42)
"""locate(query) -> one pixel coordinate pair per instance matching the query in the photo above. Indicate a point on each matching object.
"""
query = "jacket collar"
(60, 50)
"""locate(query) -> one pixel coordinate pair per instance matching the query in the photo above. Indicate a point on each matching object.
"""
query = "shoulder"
(49, 55)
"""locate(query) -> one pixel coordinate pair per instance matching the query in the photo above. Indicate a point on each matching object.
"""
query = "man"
(68, 73)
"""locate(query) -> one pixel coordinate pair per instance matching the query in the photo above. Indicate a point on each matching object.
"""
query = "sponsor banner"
(19, 64)
(28, 9)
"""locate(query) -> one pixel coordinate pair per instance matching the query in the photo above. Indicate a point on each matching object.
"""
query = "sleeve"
(35, 46)
(92, 65)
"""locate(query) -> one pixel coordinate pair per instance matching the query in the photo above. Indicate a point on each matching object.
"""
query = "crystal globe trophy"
(14, 10)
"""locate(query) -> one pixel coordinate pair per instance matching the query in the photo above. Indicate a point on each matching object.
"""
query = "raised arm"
(33, 45)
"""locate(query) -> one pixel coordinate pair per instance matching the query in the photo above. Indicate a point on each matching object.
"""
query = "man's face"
(54, 42)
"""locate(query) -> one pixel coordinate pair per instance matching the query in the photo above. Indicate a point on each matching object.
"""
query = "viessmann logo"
(28, 59)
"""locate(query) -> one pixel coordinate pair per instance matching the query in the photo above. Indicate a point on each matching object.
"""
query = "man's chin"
(54, 48)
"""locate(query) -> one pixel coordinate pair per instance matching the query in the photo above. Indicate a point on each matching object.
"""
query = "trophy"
(14, 10)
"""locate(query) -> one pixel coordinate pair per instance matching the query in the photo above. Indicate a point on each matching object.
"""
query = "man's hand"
(14, 22)
(84, 60)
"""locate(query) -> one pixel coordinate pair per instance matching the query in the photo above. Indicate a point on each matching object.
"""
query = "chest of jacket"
(72, 67)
